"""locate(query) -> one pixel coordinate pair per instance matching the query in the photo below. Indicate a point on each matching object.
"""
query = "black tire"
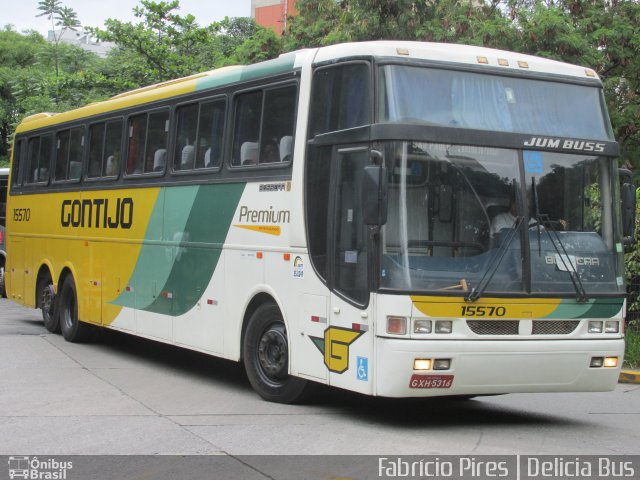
(47, 302)
(266, 357)
(73, 330)
(3, 291)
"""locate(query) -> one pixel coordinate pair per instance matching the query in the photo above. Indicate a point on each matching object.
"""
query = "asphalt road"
(124, 395)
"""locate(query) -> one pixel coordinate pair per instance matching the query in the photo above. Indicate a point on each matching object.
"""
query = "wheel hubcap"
(273, 352)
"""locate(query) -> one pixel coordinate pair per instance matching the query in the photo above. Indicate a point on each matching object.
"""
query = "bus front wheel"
(73, 330)
(266, 357)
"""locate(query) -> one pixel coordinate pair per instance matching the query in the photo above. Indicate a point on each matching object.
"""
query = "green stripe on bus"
(197, 257)
(281, 64)
(594, 308)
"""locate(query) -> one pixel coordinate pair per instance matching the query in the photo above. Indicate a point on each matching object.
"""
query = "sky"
(92, 13)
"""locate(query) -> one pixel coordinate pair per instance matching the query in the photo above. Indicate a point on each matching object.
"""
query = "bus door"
(349, 340)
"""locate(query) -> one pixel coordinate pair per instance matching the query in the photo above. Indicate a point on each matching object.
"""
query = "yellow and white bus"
(393, 218)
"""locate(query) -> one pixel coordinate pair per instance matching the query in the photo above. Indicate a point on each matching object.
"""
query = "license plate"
(431, 381)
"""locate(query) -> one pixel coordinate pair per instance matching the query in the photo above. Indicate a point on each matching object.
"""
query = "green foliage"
(164, 45)
(632, 271)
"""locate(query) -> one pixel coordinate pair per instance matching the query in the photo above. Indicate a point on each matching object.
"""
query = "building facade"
(273, 13)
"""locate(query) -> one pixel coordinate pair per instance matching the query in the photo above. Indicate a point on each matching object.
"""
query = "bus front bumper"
(495, 367)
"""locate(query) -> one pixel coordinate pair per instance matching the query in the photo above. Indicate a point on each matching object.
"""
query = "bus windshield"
(410, 94)
(461, 214)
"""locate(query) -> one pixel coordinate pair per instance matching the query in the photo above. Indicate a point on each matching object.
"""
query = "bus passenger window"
(156, 148)
(210, 130)
(184, 154)
(112, 145)
(69, 152)
(137, 133)
(147, 142)
(39, 157)
(247, 128)
(96, 142)
(277, 124)
(263, 126)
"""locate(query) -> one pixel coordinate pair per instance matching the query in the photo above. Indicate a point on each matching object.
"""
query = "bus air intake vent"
(554, 327)
(494, 327)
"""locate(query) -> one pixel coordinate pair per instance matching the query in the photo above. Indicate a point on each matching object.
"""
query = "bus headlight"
(610, 362)
(595, 326)
(611, 326)
(422, 326)
(422, 364)
(442, 364)
(444, 326)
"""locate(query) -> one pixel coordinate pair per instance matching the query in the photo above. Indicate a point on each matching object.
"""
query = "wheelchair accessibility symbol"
(363, 369)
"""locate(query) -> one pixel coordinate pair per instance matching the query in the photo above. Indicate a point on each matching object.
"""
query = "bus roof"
(4, 172)
(436, 52)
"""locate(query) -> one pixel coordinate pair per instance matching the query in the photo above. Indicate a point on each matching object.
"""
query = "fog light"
(442, 364)
(595, 326)
(422, 326)
(443, 326)
(610, 362)
(397, 325)
(611, 326)
(596, 362)
(422, 364)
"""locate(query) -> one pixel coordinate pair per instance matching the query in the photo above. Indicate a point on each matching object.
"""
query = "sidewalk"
(630, 376)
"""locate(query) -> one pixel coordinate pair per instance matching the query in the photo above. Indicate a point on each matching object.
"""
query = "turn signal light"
(397, 325)
(610, 362)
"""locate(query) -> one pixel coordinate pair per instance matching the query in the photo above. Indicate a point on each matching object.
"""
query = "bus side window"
(248, 110)
(39, 159)
(277, 124)
(18, 164)
(137, 134)
(69, 153)
(265, 119)
(96, 141)
(112, 146)
(210, 131)
(340, 98)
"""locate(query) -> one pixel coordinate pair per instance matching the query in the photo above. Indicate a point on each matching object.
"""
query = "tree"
(60, 16)
(162, 46)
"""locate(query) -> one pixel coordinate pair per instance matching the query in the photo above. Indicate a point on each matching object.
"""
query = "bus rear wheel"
(73, 330)
(266, 357)
(46, 302)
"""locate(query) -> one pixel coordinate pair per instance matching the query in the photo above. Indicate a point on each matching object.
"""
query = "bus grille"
(494, 327)
(510, 327)
(554, 327)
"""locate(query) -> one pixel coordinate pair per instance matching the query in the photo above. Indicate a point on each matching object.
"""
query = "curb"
(629, 376)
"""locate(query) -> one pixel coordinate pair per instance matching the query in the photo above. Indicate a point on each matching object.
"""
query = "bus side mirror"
(628, 194)
(374, 195)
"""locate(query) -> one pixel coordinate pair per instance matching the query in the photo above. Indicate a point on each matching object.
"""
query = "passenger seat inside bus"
(188, 158)
(112, 166)
(286, 148)
(249, 153)
(159, 159)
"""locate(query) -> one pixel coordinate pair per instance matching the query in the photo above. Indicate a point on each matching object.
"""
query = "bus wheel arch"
(46, 298)
(266, 352)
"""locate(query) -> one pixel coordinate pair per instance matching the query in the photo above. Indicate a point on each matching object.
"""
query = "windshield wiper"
(543, 220)
(487, 276)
